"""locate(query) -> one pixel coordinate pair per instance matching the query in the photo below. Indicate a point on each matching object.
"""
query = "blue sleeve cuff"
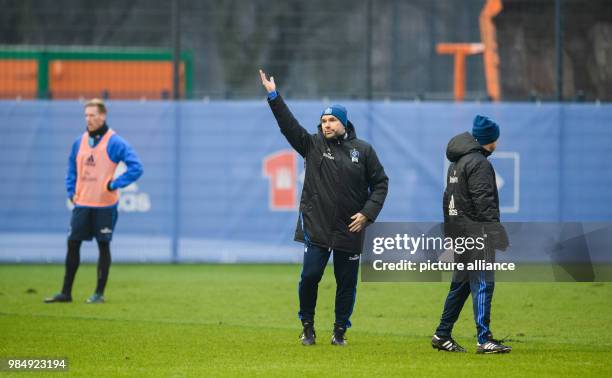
(272, 95)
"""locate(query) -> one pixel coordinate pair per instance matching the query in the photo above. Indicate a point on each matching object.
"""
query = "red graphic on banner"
(281, 170)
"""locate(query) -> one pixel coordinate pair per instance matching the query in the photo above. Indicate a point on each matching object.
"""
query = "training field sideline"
(196, 320)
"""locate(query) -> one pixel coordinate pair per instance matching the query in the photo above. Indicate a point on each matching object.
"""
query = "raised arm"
(296, 135)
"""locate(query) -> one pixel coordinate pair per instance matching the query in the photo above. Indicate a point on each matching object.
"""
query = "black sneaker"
(446, 344)
(338, 337)
(61, 297)
(308, 335)
(493, 346)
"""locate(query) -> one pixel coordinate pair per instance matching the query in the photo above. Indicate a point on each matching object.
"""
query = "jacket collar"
(96, 136)
(98, 133)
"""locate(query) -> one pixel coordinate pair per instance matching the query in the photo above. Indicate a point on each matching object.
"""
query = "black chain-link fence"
(381, 49)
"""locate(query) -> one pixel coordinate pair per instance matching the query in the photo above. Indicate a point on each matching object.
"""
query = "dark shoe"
(338, 337)
(446, 344)
(493, 346)
(59, 298)
(308, 335)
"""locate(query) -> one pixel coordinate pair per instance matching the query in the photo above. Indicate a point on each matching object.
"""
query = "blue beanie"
(337, 111)
(485, 131)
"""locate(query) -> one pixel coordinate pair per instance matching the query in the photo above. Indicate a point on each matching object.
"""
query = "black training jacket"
(471, 191)
(343, 177)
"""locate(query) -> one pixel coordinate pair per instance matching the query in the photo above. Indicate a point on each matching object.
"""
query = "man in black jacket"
(345, 187)
(471, 208)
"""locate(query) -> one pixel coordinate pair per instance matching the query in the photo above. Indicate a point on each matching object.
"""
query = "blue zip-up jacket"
(118, 150)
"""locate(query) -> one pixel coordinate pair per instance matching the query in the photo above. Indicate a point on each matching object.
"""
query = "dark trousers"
(481, 287)
(73, 260)
(346, 268)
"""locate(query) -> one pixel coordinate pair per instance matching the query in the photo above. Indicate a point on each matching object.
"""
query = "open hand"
(359, 221)
(268, 84)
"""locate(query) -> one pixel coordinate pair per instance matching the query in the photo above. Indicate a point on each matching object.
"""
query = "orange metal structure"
(488, 47)
(83, 72)
(488, 36)
(122, 80)
(18, 78)
(460, 51)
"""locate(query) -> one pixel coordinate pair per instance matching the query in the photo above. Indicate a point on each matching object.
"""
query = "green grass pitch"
(229, 320)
